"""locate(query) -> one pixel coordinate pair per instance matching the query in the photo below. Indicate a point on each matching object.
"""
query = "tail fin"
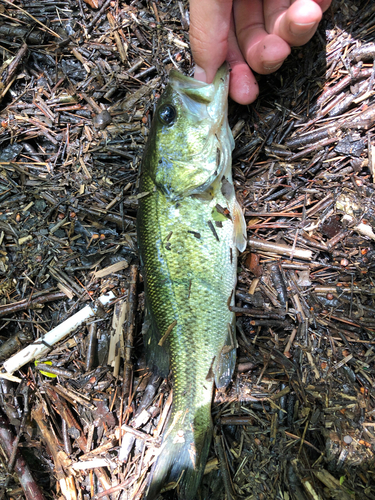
(182, 459)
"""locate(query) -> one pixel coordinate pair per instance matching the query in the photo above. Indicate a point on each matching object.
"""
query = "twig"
(278, 248)
(43, 344)
(130, 324)
(33, 18)
(30, 487)
(30, 304)
(67, 415)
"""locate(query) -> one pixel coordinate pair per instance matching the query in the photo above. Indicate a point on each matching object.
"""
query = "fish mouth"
(214, 95)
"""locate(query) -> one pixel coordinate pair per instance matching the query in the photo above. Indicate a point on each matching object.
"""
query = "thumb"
(209, 27)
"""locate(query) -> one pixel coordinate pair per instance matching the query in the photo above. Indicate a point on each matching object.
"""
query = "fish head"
(190, 142)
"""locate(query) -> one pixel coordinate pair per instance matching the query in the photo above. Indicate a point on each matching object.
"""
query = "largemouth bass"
(189, 229)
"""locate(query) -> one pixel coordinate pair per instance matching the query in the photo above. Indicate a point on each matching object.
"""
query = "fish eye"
(167, 114)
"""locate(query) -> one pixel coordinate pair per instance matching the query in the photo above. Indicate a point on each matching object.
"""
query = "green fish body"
(190, 227)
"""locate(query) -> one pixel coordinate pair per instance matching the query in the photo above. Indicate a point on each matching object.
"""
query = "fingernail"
(274, 66)
(301, 28)
(200, 74)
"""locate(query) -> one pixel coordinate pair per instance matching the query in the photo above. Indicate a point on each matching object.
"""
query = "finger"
(263, 52)
(209, 27)
(323, 4)
(243, 87)
(296, 24)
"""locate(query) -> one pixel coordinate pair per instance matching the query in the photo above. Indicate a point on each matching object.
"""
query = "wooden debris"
(28, 483)
(44, 344)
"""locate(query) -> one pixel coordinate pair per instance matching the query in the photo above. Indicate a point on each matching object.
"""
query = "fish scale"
(189, 258)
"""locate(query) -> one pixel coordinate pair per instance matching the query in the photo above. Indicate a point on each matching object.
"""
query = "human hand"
(254, 34)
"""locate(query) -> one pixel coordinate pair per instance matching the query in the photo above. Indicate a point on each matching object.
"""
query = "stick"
(129, 332)
(278, 248)
(30, 303)
(64, 411)
(41, 346)
(30, 487)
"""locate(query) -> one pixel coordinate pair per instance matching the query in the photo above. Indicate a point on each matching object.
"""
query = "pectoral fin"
(239, 227)
(227, 190)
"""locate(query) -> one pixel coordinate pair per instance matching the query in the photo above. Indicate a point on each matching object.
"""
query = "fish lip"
(214, 94)
(188, 81)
